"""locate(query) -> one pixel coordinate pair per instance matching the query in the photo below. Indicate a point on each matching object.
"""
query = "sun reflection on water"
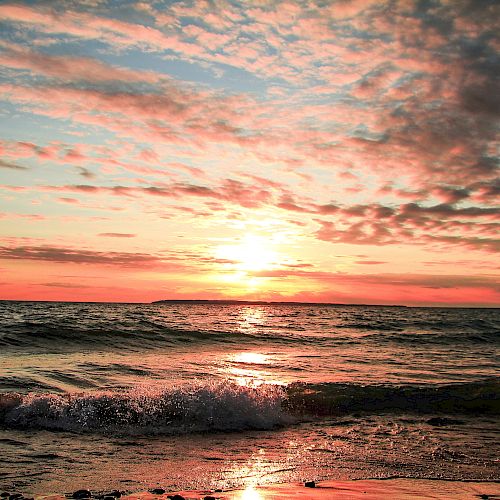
(251, 368)
(253, 358)
(250, 493)
(250, 318)
(247, 376)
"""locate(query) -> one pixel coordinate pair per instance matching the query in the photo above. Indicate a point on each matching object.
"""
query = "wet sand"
(394, 489)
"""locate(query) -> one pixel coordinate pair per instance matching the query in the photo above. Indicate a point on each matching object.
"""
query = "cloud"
(450, 194)
(364, 224)
(58, 284)
(413, 224)
(230, 190)
(72, 201)
(67, 255)
(446, 210)
(433, 281)
(71, 68)
(11, 166)
(173, 261)
(117, 235)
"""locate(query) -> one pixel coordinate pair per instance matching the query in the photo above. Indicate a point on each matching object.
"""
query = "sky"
(321, 151)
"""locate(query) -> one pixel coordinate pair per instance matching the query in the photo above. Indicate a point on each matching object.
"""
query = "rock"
(157, 491)
(108, 498)
(15, 496)
(310, 484)
(114, 493)
(209, 497)
(176, 497)
(82, 494)
(441, 421)
(4, 494)
(484, 496)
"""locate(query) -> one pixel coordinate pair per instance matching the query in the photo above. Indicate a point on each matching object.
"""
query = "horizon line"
(257, 302)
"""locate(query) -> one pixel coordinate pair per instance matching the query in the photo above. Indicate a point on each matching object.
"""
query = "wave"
(215, 406)
(328, 399)
(448, 338)
(33, 336)
(44, 336)
(225, 406)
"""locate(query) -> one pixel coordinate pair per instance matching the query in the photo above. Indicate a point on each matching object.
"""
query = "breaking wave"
(217, 406)
(223, 406)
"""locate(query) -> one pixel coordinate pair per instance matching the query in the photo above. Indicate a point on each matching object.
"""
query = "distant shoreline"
(266, 302)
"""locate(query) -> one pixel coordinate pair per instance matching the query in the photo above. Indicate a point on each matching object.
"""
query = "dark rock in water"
(310, 484)
(16, 496)
(82, 494)
(157, 491)
(441, 421)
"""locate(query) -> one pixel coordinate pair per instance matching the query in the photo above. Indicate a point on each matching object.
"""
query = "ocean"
(214, 395)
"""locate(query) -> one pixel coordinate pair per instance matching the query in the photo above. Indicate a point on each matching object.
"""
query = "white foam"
(212, 406)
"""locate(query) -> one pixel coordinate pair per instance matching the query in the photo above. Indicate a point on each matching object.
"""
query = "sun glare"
(253, 253)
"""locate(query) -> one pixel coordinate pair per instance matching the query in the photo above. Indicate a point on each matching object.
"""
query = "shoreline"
(354, 489)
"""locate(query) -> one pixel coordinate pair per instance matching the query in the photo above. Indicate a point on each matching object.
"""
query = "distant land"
(265, 302)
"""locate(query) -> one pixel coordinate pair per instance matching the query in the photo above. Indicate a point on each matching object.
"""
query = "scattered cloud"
(118, 235)
(11, 166)
(67, 255)
(341, 123)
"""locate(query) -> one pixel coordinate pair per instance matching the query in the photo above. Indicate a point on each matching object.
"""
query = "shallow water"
(208, 395)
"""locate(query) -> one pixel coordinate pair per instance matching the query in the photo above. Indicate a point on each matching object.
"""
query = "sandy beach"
(394, 489)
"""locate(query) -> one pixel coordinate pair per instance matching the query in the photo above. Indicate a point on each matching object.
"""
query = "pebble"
(209, 497)
(310, 484)
(82, 494)
(442, 421)
(157, 491)
(176, 497)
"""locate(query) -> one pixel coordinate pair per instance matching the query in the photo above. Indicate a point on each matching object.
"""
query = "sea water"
(214, 395)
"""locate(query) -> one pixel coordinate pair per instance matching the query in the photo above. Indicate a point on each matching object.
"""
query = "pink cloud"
(71, 68)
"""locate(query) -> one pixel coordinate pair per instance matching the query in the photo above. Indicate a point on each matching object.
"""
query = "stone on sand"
(82, 494)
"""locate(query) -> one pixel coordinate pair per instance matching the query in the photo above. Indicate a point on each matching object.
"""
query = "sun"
(253, 253)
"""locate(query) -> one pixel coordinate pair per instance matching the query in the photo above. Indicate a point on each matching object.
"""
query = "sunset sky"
(330, 151)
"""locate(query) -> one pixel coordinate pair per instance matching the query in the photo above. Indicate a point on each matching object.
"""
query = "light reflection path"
(245, 368)
(250, 493)
(251, 317)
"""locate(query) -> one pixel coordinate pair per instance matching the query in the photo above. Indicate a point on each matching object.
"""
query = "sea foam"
(213, 406)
